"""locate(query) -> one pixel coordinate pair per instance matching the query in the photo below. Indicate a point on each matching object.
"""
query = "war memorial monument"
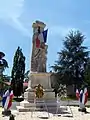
(38, 72)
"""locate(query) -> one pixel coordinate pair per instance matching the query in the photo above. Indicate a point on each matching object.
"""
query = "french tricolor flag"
(41, 38)
(7, 99)
(77, 94)
(84, 96)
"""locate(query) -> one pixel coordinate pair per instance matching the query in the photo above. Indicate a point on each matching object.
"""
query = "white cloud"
(11, 8)
(10, 12)
(60, 30)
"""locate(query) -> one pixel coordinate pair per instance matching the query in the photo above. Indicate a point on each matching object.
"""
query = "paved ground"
(66, 115)
(72, 102)
(61, 115)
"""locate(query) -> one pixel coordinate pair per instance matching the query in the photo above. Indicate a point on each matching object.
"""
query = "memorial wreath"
(39, 91)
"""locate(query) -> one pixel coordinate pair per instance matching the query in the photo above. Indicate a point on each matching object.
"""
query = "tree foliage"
(3, 63)
(87, 73)
(3, 66)
(18, 71)
(72, 60)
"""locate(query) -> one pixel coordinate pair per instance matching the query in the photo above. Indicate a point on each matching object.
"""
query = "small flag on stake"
(7, 99)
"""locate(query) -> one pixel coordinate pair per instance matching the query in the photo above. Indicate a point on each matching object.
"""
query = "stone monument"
(38, 73)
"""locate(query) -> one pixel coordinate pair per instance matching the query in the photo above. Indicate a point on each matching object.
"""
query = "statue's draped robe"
(38, 58)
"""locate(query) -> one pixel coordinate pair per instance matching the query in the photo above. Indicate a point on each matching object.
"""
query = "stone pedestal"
(49, 95)
(40, 78)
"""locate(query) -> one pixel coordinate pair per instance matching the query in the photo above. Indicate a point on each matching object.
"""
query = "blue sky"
(60, 16)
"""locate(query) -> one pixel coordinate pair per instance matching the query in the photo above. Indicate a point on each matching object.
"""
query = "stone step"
(22, 109)
(38, 103)
(32, 109)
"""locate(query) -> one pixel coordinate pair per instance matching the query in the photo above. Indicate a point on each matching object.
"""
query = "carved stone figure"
(38, 58)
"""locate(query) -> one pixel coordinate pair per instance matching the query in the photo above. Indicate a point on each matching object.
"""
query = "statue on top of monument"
(39, 47)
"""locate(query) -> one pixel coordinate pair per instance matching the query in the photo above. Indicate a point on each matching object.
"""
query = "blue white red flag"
(7, 99)
(42, 38)
(84, 96)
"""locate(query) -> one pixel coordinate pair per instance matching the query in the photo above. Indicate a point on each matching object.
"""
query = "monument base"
(29, 96)
(48, 95)
(38, 105)
(40, 78)
(29, 103)
(44, 80)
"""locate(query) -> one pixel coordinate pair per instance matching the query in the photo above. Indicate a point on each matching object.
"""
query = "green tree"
(3, 66)
(72, 59)
(87, 73)
(18, 71)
